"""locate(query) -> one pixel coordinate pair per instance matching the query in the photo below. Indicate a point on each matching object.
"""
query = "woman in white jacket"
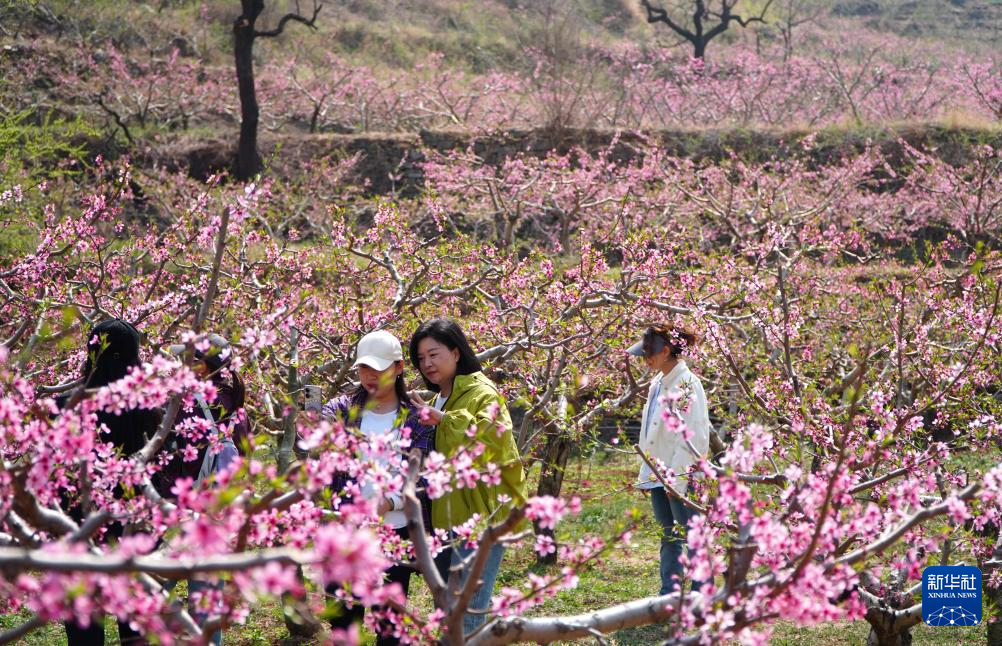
(675, 410)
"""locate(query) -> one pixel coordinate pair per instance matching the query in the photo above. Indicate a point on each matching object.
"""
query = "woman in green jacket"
(467, 398)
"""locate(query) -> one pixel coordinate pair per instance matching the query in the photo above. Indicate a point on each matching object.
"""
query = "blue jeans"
(673, 515)
(482, 598)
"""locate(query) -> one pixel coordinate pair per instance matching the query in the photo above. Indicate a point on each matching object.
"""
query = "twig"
(685, 501)
(19, 631)
(210, 292)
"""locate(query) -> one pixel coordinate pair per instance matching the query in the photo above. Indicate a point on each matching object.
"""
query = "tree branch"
(19, 631)
(891, 537)
(210, 292)
(20, 559)
(490, 536)
(291, 17)
(657, 14)
(651, 610)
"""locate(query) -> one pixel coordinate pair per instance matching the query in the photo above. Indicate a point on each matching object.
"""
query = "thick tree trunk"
(248, 162)
(287, 447)
(299, 620)
(888, 638)
(994, 595)
(699, 49)
(551, 479)
(884, 638)
(886, 630)
(995, 627)
(302, 624)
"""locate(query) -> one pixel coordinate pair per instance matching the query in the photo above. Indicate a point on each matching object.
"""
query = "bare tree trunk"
(287, 447)
(551, 479)
(994, 637)
(248, 162)
(994, 595)
(299, 620)
(886, 636)
(551, 474)
(699, 49)
(890, 626)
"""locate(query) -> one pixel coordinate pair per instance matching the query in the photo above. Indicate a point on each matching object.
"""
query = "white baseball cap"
(378, 350)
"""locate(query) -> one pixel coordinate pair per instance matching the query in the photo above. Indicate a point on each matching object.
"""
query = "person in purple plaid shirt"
(378, 407)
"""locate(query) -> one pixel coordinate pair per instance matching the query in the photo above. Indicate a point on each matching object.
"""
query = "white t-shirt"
(375, 425)
(439, 402)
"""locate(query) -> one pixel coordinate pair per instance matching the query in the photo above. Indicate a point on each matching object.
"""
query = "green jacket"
(469, 404)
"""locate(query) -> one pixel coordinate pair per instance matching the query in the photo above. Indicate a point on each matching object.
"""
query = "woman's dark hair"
(448, 333)
(360, 394)
(112, 348)
(239, 390)
(676, 339)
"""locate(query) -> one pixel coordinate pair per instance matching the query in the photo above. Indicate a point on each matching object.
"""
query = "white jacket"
(669, 446)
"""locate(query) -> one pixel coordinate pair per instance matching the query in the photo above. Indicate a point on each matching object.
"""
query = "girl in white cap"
(380, 406)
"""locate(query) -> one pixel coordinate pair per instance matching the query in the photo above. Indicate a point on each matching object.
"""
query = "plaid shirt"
(422, 438)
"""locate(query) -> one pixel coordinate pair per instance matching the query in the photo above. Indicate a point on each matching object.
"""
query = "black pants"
(395, 574)
(93, 635)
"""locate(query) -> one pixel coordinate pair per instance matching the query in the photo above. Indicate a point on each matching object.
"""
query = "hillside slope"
(148, 76)
(479, 36)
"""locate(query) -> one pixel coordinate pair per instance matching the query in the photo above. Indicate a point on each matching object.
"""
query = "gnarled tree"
(245, 32)
(709, 19)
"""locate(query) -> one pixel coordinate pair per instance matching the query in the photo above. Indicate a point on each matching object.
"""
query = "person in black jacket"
(112, 349)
